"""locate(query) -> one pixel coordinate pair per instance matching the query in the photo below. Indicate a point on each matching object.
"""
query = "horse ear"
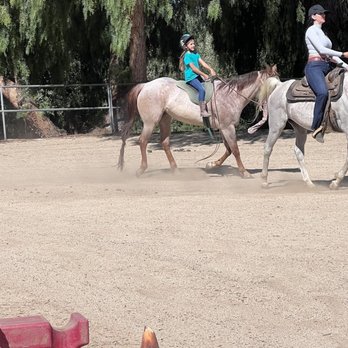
(271, 70)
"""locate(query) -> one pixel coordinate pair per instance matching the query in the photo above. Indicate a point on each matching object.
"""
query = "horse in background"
(300, 116)
(159, 101)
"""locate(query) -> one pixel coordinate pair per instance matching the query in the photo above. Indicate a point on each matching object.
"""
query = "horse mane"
(239, 82)
(267, 88)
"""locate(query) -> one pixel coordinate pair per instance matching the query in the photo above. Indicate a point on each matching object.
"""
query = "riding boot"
(203, 107)
(205, 115)
(318, 134)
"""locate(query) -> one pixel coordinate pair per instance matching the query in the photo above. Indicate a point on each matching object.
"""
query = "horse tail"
(265, 91)
(132, 114)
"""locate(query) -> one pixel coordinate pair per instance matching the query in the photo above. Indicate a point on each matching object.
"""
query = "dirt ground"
(206, 259)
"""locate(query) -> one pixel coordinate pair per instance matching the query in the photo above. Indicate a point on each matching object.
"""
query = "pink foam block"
(36, 332)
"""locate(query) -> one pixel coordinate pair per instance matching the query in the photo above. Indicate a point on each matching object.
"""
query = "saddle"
(299, 91)
(193, 93)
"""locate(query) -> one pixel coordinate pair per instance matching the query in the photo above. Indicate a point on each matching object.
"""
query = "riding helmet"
(185, 39)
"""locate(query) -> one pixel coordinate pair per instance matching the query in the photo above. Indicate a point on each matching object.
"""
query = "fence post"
(3, 112)
(111, 109)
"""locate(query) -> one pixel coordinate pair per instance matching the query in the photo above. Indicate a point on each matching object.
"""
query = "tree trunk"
(33, 125)
(137, 61)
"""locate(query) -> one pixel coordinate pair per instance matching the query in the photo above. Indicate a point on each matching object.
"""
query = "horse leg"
(340, 175)
(272, 137)
(165, 140)
(222, 159)
(230, 137)
(301, 137)
(143, 141)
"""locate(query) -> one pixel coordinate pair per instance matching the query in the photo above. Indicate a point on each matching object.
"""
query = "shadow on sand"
(181, 140)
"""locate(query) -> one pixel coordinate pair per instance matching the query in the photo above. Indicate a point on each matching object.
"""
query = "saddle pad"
(297, 92)
(193, 93)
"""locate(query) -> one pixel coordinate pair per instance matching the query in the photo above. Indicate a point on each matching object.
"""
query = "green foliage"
(89, 7)
(160, 8)
(300, 13)
(5, 23)
(30, 20)
(214, 10)
(178, 127)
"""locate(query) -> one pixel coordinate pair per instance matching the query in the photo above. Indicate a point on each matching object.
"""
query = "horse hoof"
(334, 185)
(246, 175)
(139, 172)
(210, 165)
(265, 185)
(310, 184)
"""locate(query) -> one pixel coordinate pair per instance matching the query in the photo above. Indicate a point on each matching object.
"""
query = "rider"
(190, 62)
(318, 65)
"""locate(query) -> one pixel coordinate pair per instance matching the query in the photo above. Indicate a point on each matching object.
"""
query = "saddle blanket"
(193, 93)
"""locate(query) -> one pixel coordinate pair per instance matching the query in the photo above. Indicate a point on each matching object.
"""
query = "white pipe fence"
(109, 105)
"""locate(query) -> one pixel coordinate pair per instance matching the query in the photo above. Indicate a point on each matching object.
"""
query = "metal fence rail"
(109, 106)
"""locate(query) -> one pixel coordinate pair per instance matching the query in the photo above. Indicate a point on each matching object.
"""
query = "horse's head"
(271, 71)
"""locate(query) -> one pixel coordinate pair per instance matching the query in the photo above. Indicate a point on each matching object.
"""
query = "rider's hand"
(205, 76)
(212, 72)
(345, 54)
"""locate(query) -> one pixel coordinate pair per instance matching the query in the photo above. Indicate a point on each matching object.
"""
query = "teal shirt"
(191, 57)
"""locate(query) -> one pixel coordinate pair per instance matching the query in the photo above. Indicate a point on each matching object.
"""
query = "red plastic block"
(36, 332)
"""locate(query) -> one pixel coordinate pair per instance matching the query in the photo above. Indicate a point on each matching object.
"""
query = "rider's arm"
(198, 71)
(206, 66)
(317, 43)
(340, 62)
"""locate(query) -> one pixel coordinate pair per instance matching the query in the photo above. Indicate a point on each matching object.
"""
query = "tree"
(137, 60)
(128, 28)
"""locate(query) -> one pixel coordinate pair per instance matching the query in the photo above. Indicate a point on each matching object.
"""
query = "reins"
(217, 143)
(236, 91)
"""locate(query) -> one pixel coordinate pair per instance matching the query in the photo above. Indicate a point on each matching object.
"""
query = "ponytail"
(181, 61)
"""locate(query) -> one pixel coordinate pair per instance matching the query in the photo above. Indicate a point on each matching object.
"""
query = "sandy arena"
(206, 259)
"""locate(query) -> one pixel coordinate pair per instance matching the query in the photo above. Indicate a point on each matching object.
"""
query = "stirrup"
(206, 122)
(318, 134)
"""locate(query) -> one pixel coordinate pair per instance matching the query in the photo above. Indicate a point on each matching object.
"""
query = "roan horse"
(300, 116)
(159, 101)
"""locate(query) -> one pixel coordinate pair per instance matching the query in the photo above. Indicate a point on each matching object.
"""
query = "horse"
(300, 116)
(161, 100)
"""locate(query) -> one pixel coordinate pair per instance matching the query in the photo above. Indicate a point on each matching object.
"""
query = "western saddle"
(299, 91)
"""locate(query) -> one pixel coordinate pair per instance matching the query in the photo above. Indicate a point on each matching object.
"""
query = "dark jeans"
(197, 84)
(315, 74)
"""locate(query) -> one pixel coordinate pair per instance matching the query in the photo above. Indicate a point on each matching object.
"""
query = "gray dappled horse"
(159, 101)
(300, 116)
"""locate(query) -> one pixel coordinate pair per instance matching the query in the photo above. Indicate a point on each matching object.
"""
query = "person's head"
(317, 14)
(187, 42)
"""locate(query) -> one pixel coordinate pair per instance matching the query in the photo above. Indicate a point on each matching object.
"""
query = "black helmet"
(316, 9)
(184, 39)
